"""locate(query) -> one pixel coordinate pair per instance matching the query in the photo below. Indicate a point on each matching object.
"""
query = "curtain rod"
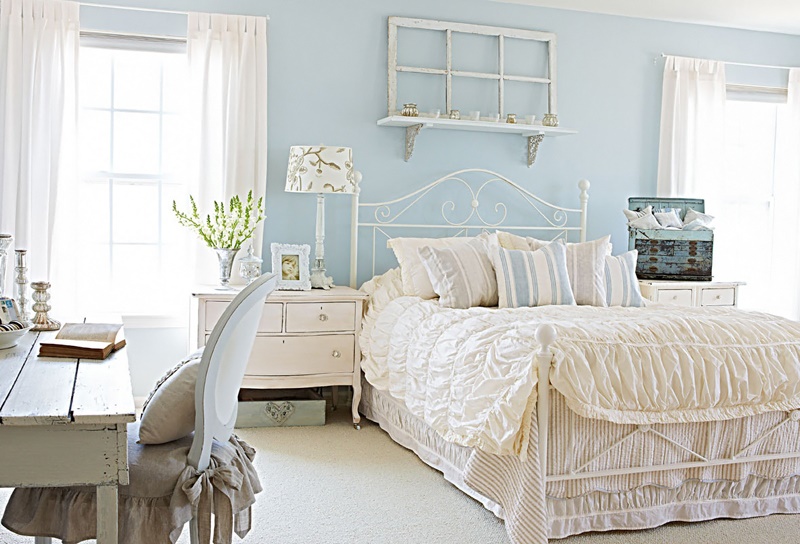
(742, 63)
(134, 8)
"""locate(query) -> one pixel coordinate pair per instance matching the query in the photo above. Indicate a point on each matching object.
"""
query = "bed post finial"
(545, 335)
(584, 185)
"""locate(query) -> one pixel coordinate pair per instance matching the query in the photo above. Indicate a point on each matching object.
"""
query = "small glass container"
(455, 114)
(530, 119)
(511, 118)
(475, 115)
(409, 110)
(550, 120)
(250, 266)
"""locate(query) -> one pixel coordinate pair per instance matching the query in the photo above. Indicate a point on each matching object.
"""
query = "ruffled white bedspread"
(470, 374)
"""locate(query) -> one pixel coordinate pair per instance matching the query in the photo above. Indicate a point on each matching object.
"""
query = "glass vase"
(226, 257)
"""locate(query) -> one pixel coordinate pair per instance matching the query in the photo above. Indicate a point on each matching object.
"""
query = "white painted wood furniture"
(692, 293)
(413, 125)
(304, 338)
(63, 422)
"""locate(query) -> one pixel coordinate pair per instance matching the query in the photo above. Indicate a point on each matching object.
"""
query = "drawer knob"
(674, 297)
(323, 317)
(718, 297)
(336, 354)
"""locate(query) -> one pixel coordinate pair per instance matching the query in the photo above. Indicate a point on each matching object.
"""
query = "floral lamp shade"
(320, 169)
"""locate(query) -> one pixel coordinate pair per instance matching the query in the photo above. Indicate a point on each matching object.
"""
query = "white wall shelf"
(413, 125)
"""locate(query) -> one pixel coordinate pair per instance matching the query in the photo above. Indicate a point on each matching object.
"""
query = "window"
(132, 162)
(751, 205)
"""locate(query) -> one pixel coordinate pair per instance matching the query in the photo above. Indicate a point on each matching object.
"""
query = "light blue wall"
(327, 84)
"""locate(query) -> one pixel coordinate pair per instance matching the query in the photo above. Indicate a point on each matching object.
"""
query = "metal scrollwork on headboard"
(458, 220)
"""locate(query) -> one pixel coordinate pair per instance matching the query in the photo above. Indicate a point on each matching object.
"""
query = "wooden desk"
(63, 422)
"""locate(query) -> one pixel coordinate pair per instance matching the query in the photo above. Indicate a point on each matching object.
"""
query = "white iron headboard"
(473, 184)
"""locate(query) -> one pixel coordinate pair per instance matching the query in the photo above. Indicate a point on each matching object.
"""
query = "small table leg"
(356, 401)
(107, 512)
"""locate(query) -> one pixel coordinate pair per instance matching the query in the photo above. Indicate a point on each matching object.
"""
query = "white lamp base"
(319, 280)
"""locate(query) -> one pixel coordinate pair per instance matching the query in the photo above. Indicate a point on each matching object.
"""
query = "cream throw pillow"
(168, 414)
(586, 268)
(462, 275)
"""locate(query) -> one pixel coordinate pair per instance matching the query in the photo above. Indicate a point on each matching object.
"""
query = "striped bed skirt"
(535, 511)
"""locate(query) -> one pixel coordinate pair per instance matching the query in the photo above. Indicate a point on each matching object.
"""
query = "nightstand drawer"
(718, 297)
(679, 297)
(300, 355)
(271, 319)
(320, 317)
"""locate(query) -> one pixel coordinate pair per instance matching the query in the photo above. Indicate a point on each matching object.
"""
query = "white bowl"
(9, 339)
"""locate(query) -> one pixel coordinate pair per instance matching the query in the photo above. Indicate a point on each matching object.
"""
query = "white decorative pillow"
(533, 278)
(669, 219)
(630, 215)
(622, 286)
(511, 241)
(693, 215)
(168, 414)
(585, 263)
(461, 275)
(416, 282)
(647, 221)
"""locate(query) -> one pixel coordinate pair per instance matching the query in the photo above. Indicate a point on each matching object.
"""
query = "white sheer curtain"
(691, 146)
(38, 55)
(786, 218)
(228, 63)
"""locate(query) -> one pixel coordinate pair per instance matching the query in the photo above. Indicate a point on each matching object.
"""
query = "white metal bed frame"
(555, 219)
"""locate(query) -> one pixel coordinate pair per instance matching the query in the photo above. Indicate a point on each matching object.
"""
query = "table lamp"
(321, 169)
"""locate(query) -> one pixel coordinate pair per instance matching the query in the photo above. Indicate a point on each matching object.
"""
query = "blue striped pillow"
(622, 286)
(533, 278)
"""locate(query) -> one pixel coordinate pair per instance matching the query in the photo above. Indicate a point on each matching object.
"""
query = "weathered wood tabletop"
(63, 422)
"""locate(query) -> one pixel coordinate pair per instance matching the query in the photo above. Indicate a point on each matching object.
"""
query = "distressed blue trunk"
(671, 254)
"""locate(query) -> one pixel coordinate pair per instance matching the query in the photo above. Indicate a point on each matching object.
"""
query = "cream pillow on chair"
(168, 413)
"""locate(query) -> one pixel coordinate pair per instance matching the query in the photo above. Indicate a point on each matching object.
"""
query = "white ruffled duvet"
(470, 374)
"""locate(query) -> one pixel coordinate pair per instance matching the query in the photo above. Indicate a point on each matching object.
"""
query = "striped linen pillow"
(461, 275)
(533, 278)
(585, 262)
(622, 287)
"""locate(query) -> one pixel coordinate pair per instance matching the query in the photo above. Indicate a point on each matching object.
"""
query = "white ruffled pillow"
(702, 219)
(633, 214)
(669, 219)
(647, 221)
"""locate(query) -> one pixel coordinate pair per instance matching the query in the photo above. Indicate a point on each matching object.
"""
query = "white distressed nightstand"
(305, 338)
(692, 293)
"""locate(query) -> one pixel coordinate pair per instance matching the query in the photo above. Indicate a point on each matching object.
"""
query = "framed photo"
(290, 262)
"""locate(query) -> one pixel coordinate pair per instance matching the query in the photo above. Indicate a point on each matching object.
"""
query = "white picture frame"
(295, 275)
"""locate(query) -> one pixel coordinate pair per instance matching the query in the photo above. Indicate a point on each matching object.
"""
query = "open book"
(84, 341)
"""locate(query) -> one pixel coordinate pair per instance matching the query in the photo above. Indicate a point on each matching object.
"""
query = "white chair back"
(222, 367)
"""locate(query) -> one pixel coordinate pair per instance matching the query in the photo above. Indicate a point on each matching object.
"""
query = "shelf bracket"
(411, 138)
(533, 147)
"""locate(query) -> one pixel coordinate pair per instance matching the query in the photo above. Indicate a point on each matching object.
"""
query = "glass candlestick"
(5, 242)
(41, 321)
(21, 284)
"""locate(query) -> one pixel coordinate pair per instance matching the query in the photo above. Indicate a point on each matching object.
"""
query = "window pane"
(136, 143)
(95, 78)
(94, 221)
(135, 213)
(175, 83)
(137, 80)
(95, 141)
(135, 270)
(175, 148)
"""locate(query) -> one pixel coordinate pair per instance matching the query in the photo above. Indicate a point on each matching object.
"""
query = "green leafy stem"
(225, 228)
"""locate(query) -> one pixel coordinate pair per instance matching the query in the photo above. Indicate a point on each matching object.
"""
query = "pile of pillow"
(510, 271)
(668, 218)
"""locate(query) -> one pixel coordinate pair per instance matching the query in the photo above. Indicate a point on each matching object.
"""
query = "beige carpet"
(335, 485)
